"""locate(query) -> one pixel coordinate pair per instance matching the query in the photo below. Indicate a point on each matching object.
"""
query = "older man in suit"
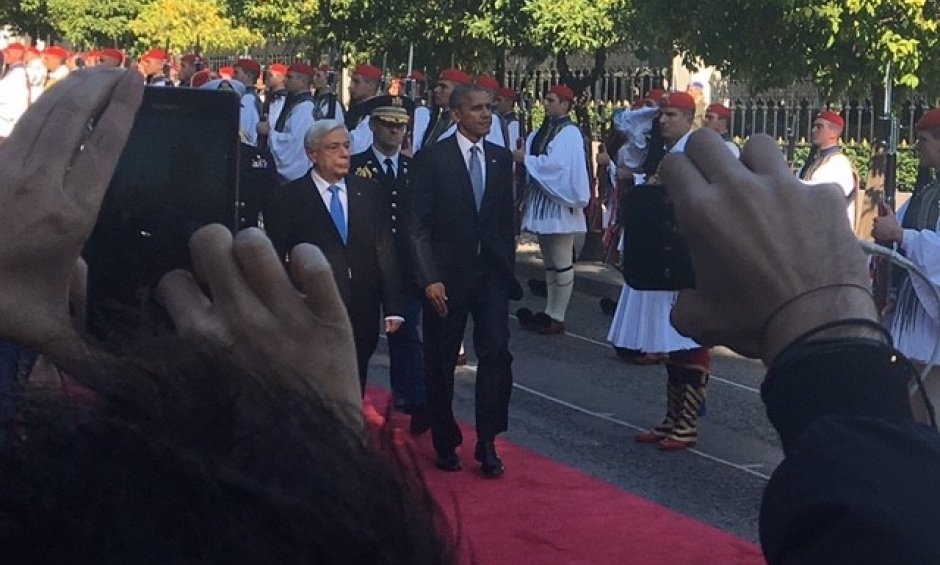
(346, 217)
(464, 255)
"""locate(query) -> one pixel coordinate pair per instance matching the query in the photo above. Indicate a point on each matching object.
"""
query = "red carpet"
(542, 512)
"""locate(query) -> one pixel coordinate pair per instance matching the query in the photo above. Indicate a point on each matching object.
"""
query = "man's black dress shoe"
(538, 287)
(449, 462)
(526, 318)
(608, 306)
(490, 463)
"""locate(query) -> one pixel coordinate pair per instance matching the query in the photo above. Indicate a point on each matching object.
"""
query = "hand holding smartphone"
(177, 173)
(655, 257)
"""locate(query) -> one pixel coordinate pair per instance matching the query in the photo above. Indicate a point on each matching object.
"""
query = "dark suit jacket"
(448, 230)
(365, 269)
(398, 196)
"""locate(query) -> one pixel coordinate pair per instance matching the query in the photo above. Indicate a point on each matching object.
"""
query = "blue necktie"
(476, 176)
(336, 212)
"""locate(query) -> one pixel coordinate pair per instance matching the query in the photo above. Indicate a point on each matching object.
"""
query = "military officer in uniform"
(385, 163)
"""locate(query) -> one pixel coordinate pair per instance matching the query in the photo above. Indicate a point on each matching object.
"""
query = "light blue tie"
(476, 176)
(336, 211)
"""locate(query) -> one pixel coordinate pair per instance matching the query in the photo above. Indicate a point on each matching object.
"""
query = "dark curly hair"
(178, 457)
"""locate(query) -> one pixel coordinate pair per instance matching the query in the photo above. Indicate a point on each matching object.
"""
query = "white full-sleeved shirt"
(559, 188)
(836, 169)
(14, 98)
(287, 146)
(248, 119)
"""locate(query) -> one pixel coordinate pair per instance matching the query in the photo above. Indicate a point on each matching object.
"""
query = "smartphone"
(179, 171)
(655, 256)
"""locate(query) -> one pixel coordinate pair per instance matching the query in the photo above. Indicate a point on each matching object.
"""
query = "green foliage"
(574, 25)
(94, 23)
(185, 24)
(276, 20)
(27, 16)
(842, 45)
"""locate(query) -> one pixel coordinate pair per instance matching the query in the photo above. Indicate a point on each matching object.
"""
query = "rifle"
(792, 133)
(525, 126)
(881, 267)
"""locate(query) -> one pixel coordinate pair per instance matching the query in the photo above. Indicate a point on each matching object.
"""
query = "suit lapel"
(492, 165)
(356, 213)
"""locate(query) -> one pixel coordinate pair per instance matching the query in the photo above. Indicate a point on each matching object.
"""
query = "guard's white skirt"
(917, 337)
(642, 322)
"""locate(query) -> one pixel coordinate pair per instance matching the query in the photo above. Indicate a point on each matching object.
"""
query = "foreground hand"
(518, 155)
(436, 295)
(263, 128)
(392, 325)
(253, 312)
(886, 229)
(54, 171)
(759, 239)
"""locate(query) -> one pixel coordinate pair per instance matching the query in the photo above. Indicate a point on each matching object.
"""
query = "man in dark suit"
(347, 218)
(464, 257)
(384, 163)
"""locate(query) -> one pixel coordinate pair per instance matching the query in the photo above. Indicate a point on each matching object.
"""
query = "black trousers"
(487, 301)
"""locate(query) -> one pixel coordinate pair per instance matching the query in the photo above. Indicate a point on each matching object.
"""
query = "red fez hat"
(930, 120)
(369, 72)
(56, 51)
(200, 78)
(831, 117)
(278, 68)
(249, 65)
(113, 54)
(190, 58)
(154, 54)
(678, 100)
(418, 76)
(33, 51)
(719, 110)
(15, 47)
(455, 75)
(226, 72)
(507, 93)
(487, 82)
(638, 103)
(562, 91)
(302, 68)
(655, 94)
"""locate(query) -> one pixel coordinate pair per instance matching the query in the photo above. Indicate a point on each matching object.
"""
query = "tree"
(277, 20)
(842, 45)
(94, 22)
(183, 25)
(27, 16)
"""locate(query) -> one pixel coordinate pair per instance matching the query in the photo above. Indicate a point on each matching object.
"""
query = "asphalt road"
(575, 402)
